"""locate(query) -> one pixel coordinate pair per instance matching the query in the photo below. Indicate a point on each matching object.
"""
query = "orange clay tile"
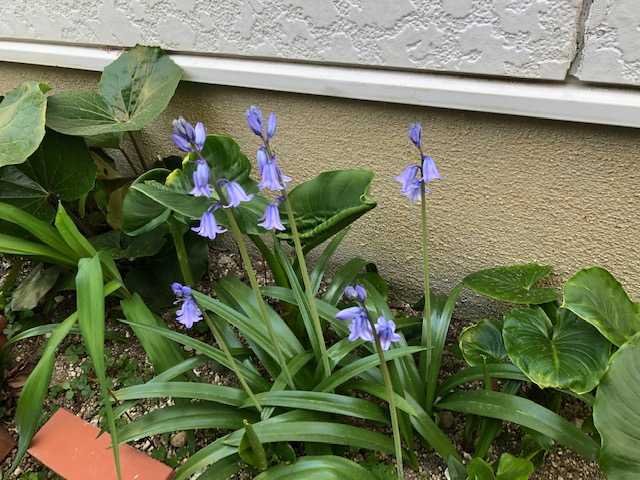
(71, 447)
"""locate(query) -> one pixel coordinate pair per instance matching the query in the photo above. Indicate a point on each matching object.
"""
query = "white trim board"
(560, 101)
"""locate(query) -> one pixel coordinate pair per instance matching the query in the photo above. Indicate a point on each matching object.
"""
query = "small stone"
(58, 298)
(179, 440)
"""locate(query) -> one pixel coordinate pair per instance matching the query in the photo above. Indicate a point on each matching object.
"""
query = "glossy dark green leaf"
(329, 203)
(616, 414)
(598, 298)
(140, 213)
(134, 90)
(22, 117)
(120, 245)
(62, 166)
(513, 284)
(326, 467)
(19, 190)
(482, 343)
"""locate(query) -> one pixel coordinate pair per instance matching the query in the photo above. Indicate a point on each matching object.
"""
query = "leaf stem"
(136, 146)
(308, 287)
(427, 327)
(181, 253)
(132, 165)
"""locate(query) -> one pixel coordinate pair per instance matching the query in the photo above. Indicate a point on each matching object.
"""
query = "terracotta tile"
(6, 442)
(71, 447)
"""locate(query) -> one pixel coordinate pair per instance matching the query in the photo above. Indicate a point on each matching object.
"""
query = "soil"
(71, 370)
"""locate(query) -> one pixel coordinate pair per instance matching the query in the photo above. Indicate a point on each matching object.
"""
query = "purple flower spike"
(415, 134)
(407, 177)
(254, 119)
(413, 190)
(235, 193)
(271, 125)
(201, 186)
(429, 169)
(187, 138)
(263, 158)
(188, 313)
(387, 332)
(360, 328)
(271, 218)
(209, 227)
(272, 177)
(356, 293)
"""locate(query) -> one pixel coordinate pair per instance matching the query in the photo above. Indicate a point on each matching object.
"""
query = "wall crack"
(581, 26)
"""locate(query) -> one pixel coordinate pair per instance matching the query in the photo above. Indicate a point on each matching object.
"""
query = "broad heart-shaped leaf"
(597, 297)
(329, 203)
(482, 343)
(570, 354)
(616, 414)
(141, 214)
(513, 284)
(19, 190)
(134, 90)
(62, 166)
(120, 245)
(22, 114)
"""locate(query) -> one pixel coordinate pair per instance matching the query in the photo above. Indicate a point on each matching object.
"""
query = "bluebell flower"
(263, 158)
(356, 293)
(271, 125)
(407, 177)
(272, 177)
(254, 119)
(360, 328)
(208, 226)
(387, 332)
(413, 190)
(186, 137)
(235, 193)
(429, 169)
(189, 312)
(415, 134)
(201, 187)
(271, 218)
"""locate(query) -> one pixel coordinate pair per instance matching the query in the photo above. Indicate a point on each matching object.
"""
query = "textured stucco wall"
(520, 38)
(514, 190)
(611, 51)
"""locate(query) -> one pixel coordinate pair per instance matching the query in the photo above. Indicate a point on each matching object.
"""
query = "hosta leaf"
(22, 114)
(513, 284)
(134, 90)
(570, 354)
(597, 297)
(482, 343)
(62, 166)
(616, 414)
(327, 467)
(329, 203)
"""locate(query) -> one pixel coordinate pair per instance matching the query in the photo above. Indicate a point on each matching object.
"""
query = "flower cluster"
(192, 139)
(188, 313)
(271, 176)
(415, 177)
(360, 326)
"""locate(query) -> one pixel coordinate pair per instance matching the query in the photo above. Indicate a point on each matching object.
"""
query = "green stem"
(279, 275)
(427, 327)
(308, 287)
(253, 281)
(395, 426)
(217, 334)
(181, 253)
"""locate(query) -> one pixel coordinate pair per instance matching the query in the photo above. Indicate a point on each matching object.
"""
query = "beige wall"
(514, 190)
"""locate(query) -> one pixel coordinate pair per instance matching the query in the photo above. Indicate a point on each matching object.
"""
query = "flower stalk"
(427, 324)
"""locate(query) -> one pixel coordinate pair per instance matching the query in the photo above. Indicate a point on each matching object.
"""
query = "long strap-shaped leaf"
(327, 467)
(524, 412)
(18, 246)
(32, 396)
(90, 299)
(505, 371)
(192, 390)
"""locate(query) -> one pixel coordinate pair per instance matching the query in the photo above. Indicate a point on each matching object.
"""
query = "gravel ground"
(560, 464)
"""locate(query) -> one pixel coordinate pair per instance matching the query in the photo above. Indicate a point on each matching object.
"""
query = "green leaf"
(514, 468)
(327, 467)
(20, 191)
(18, 246)
(34, 287)
(251, 449)
(616, 414)
(329, 203)
(479, 469)
(134, 90)
(598, 298)
(504, 371)
(142, 214)
(22, 114)
(482, 343)
(72, 236)
(192, 390)
(162, 353)
(120, 245)
(524, 412)
(319, 268)
(513, 284)
(183, 417)
(322, 402)
(570, 354)
(62, 166)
